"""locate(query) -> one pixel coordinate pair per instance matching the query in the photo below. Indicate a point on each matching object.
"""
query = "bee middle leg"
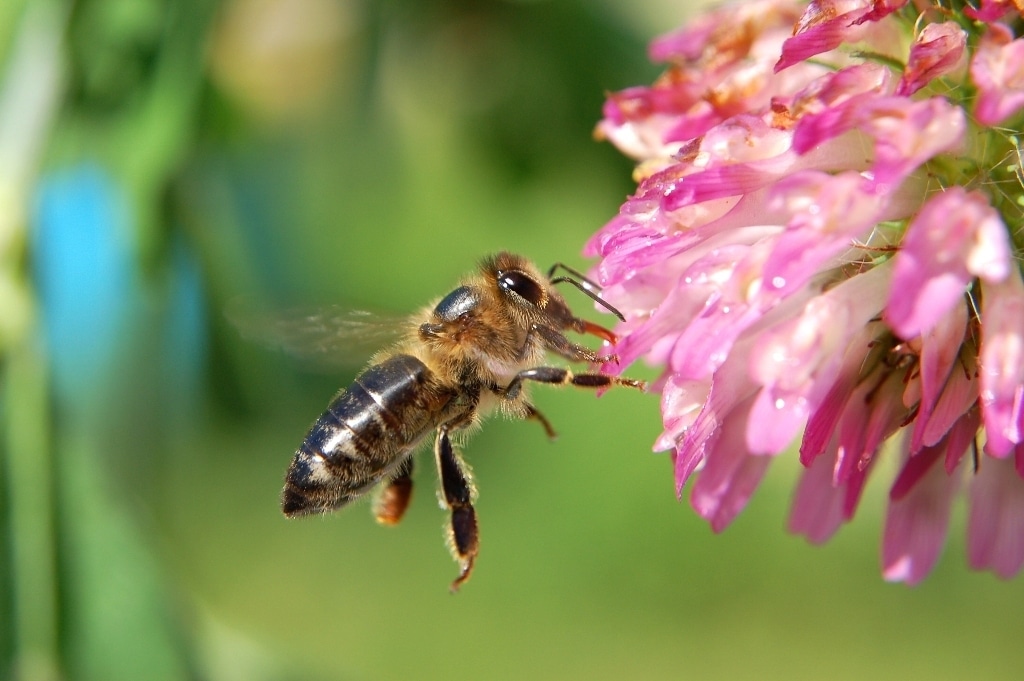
(561, 376)
(528, 411)
(458, 497)
(532, 413)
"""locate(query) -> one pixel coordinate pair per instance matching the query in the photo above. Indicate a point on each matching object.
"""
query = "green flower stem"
(28, 479)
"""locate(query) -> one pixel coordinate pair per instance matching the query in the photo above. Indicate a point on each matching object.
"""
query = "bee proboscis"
(473, 350)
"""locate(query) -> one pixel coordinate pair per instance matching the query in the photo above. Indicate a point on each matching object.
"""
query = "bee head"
(526, 292)
(494, 310)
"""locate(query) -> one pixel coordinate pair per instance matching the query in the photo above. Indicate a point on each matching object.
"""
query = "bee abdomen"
(365, 432)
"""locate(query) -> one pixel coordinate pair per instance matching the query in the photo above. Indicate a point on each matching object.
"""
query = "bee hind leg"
(392, 500)
(458, 493)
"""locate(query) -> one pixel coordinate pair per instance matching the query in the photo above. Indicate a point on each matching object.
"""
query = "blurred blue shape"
(85, 272)
(185, 339)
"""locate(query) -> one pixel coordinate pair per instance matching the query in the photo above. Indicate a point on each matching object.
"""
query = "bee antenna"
(581, 281)
(589, 292)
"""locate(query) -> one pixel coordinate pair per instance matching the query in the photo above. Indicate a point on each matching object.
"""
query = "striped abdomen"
(365, 433)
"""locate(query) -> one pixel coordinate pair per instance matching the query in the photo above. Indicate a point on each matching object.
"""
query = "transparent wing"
(327, 337)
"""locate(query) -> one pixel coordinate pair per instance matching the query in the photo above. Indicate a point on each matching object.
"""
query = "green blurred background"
(162, 158)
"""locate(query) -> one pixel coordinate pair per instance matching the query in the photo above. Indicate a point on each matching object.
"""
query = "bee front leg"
(560, 376)
(393, 498)
(558, 343)
(458, 497)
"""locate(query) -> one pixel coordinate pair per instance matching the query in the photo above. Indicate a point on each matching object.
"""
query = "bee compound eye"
(523, 285)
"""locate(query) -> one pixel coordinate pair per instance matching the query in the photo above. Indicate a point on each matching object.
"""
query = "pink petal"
(908, 136)
(828, 23)
(917, 520)
(798, 361)
(730, 474)
(737, 157)
(995, 526)
(958, 396)
(829, 211)
(681, 402)
(779, 420)
(962, 436)
(940, 347)
(914, 469)
(1002, 364)
(881, 9)
(937, 50)
(822, 426)
(873, 413)
(990, 10)
(998, 71)
(730, 309)
(854, 489)
(717, 31)
(822, 503)
(817, 510)
(721, 66)
(955, 236)
(906, 133)
(836, 88)
(730, 386)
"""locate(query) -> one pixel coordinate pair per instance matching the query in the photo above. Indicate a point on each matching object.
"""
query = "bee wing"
(332, 337)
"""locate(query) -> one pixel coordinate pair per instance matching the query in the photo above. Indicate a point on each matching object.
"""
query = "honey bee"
(474, 350)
